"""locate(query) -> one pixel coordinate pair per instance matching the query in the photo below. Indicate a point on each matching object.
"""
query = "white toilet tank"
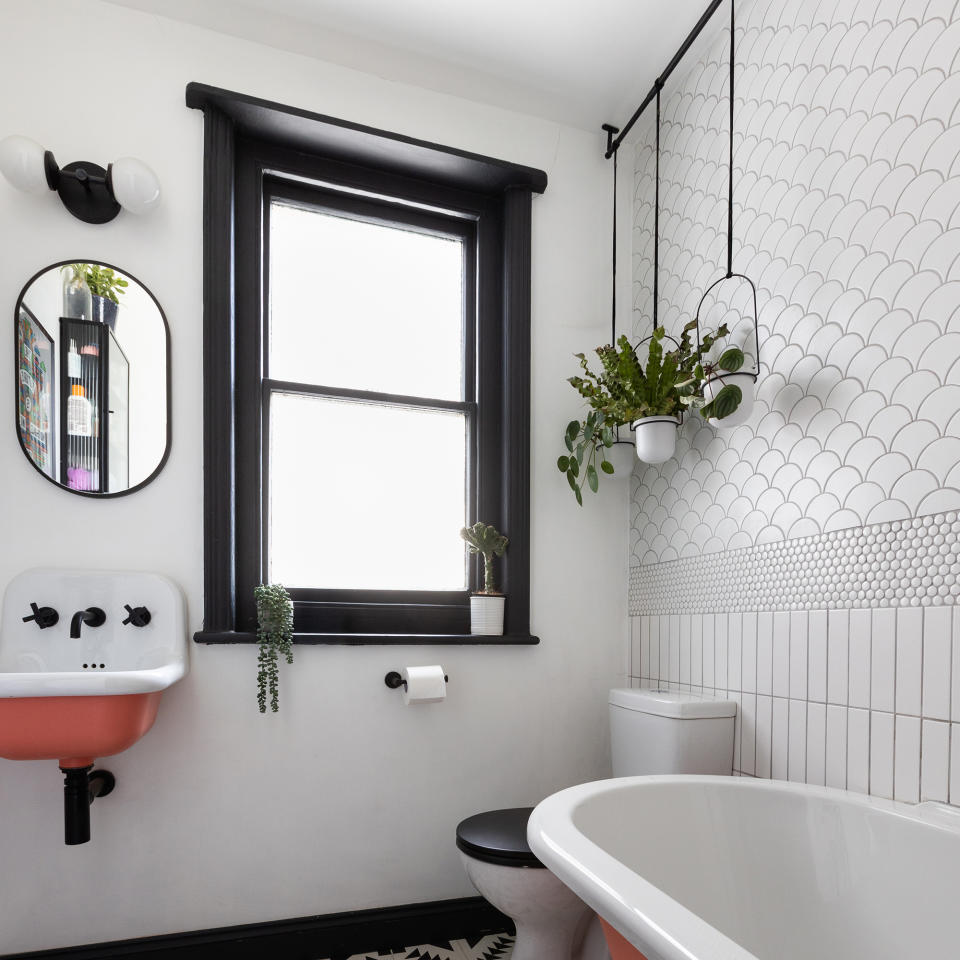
(659, 731)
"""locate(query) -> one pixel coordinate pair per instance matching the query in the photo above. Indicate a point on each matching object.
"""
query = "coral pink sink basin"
(73, 699)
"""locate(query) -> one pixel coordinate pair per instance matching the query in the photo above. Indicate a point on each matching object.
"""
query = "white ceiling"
(583, 62)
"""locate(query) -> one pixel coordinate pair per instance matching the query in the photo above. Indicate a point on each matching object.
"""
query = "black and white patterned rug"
(498, 946)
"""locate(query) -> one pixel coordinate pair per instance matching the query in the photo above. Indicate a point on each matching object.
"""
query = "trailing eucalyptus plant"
(275, 636)
(485, 539)
(624, 391)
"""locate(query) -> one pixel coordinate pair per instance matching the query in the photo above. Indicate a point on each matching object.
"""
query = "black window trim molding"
(447, 179)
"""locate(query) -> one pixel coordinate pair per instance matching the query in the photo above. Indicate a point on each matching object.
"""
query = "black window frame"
(255, 150)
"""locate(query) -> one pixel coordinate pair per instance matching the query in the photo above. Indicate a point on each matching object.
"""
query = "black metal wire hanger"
(730, 272)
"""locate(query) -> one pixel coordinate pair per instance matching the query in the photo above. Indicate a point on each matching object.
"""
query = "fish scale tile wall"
(847, 217)
(807, 563)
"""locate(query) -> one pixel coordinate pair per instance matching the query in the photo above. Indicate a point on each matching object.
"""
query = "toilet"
(651, 732)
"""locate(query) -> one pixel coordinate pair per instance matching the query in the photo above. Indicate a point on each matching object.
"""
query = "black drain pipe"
(81, 786)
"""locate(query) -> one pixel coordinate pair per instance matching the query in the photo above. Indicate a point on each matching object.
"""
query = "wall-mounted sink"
(72, 699)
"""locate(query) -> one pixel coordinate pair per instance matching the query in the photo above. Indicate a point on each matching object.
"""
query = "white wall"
(345, 799)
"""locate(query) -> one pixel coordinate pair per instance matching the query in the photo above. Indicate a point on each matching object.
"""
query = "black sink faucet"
(92, 617)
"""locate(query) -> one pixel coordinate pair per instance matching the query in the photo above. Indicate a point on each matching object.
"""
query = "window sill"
(382, 639)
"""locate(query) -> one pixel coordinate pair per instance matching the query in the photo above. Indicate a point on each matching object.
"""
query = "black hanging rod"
(662, 79)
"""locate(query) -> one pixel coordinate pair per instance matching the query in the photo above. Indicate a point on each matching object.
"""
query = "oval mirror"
(92, 378)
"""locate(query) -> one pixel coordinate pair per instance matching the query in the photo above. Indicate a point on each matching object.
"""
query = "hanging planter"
(721, 388)
(656, 438)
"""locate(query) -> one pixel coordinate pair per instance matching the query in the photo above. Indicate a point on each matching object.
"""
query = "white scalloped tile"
(847, 216)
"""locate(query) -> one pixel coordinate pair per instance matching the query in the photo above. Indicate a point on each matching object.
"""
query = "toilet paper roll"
(424, 684)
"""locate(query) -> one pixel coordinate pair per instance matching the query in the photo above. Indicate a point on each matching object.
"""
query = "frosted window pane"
(364, 306)
(364, 496)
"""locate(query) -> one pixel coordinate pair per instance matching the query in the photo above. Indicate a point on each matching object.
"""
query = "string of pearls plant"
(275, 637)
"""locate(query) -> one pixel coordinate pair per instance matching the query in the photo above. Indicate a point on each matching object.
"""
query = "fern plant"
(275, 637)
(624, 391)
(485, 539)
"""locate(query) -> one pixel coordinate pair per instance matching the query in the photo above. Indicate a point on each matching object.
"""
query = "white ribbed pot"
(656, 438)
(486, 614)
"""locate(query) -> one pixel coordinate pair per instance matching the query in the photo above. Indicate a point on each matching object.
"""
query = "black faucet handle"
(138, 616)
(44, 616)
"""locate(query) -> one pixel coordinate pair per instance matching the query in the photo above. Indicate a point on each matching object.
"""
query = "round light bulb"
(21, 162)
(135, 186)
(747, 385)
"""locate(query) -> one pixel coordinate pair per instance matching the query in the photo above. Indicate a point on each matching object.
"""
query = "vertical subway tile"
(654, 628)
(764, 735)
(838, 654)
(765, 653)
(674, 669)
(836, 766)
(748, 732)
(798, 655)
(644, 648)
(748, 673)
(858, 750)
(781, 654)
(935, 761)
(817, 656)
(955, 763)
(909, 660)
(906, 776)
(685, 648)
(720, 638)
(816, 744)
(734, 651)
(797, 735)
(955, 670)
(780, 748)
(709, 650)
(664, 649)
(881, 755)
(696, 650)
(936, 662)
(859, 663)
(883, 665)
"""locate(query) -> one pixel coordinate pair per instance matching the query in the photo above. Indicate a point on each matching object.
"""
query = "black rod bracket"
(611, 131)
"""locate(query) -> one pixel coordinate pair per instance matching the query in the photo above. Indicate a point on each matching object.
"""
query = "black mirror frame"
(16, 384)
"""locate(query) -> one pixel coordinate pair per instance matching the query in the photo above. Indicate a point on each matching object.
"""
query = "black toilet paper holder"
(394, 680)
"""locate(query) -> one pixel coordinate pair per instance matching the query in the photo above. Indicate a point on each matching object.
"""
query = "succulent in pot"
(487, 605)
(650, 398)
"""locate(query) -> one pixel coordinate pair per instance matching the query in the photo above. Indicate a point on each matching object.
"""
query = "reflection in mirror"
(92, 378)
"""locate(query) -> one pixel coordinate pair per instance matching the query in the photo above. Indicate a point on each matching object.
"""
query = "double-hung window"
(366, 355)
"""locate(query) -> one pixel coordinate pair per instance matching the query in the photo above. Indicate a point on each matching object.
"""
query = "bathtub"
(730, 868)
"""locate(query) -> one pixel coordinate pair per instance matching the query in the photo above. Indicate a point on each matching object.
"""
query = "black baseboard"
(305, 938)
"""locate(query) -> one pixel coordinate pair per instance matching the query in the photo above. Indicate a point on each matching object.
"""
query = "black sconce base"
(84, 189)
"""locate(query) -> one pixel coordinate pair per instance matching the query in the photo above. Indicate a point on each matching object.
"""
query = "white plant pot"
(486, 615)
(656, 438)
(747, 384)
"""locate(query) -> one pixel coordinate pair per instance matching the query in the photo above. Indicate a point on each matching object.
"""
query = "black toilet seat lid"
(498, 836)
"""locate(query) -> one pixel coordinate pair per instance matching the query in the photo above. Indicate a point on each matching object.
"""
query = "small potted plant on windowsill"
(487, 605)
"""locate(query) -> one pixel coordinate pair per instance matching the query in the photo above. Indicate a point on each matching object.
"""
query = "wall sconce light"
(89, 192)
